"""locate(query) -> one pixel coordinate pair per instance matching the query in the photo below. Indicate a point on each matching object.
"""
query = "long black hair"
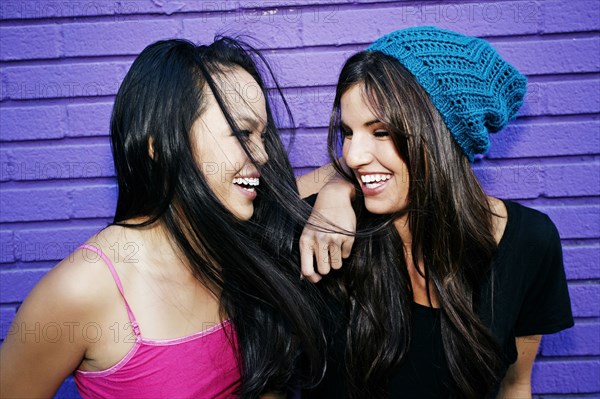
(450, 220)
(251, 266)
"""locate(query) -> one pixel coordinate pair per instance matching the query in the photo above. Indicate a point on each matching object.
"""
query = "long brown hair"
(451, 224)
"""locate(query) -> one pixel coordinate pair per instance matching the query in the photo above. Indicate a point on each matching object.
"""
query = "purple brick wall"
(62, 62)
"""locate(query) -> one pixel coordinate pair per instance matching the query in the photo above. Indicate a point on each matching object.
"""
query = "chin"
(380, 208)
(244, 214)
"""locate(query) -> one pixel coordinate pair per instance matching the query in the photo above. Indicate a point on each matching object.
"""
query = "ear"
(151, 148)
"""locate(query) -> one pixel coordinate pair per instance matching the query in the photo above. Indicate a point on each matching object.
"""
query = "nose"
(357, 151)
(259, 152)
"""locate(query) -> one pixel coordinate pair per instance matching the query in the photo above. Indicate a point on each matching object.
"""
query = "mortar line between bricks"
(109, 178)
(566, 77)
(317, 48)
(551, 359)
(558, 79)
(586, 321)
(7, 305)
(584, 34)
(69, 184)
(592, 245)
(559, 202)
(63, 223)
(26, 22)
(592, 395)
(161, 15)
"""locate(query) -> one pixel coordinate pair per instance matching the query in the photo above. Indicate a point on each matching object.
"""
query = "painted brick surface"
(61, 64)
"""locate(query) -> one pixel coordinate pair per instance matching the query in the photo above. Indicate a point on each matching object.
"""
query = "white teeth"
(247, 181)
(374, 178)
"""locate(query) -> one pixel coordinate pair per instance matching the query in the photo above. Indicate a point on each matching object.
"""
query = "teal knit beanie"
(475, 90)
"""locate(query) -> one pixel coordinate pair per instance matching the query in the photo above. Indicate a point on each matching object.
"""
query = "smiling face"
(230, 174)
(368, 149)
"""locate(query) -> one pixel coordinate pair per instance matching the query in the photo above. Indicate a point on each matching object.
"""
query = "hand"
(321, 238)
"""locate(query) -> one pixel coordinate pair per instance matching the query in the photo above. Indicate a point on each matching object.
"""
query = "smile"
(247, 183)
(376, 180)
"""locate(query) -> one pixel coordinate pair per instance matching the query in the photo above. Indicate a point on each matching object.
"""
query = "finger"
(306, 257)
(347, 247)
(307, 262)
(322, 255)
(335, 256)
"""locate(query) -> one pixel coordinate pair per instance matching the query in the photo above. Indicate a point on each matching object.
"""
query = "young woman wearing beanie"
(193, 291)
(446, 291)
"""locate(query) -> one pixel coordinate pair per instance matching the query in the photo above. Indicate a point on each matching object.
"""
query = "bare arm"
(43, 345)
(517, 382)
(333, 210)
(312, 182)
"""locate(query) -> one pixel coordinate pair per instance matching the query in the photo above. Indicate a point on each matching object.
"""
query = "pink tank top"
(201, 365)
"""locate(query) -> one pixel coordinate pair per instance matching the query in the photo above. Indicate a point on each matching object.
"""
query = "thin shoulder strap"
(113, 271)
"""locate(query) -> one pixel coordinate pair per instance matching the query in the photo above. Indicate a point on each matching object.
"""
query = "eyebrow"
(253, 122)
(366, 124)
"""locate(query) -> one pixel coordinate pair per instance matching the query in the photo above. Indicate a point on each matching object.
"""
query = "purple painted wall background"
(62, 63)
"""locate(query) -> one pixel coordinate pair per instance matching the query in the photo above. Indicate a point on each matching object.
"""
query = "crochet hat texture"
(475, 90)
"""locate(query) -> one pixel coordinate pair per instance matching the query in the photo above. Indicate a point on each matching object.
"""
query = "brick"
(7, 314)
(526, 139)
(94, 201)
(583, 339)
(581, 261)
(241, 8)
(53, 243)
(309, 149)
(478, 19)
(572, 179)
(29, 42)
(32, 122)
(308, 68)
(116, 38)
(281, 31)
(535, 57)
(58, 202)
(63, 81)
(68, 390)
(570, 16)
(89, 119)
(39, 9)
(572, 376)
(575, 221)
(7, 244)
(562, 98)
(31, 204)
(58, 162)
(533, 178)
(16, 284)
(531, 57)
(585, 298)
(518, 180)
(311, 106)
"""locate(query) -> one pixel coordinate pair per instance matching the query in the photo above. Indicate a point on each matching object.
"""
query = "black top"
(530, 298)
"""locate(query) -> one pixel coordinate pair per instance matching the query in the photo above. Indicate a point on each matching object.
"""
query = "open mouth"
(375, 180)
(247, 183)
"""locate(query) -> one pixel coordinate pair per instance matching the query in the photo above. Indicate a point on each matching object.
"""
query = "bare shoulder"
(77, 285)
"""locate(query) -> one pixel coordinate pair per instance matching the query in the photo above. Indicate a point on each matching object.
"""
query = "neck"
(401, 225)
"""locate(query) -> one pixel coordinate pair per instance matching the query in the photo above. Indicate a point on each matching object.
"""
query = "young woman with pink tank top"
(194, 290)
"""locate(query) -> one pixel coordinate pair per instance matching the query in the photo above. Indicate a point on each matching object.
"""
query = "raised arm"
(332, 211)
(312, 182)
